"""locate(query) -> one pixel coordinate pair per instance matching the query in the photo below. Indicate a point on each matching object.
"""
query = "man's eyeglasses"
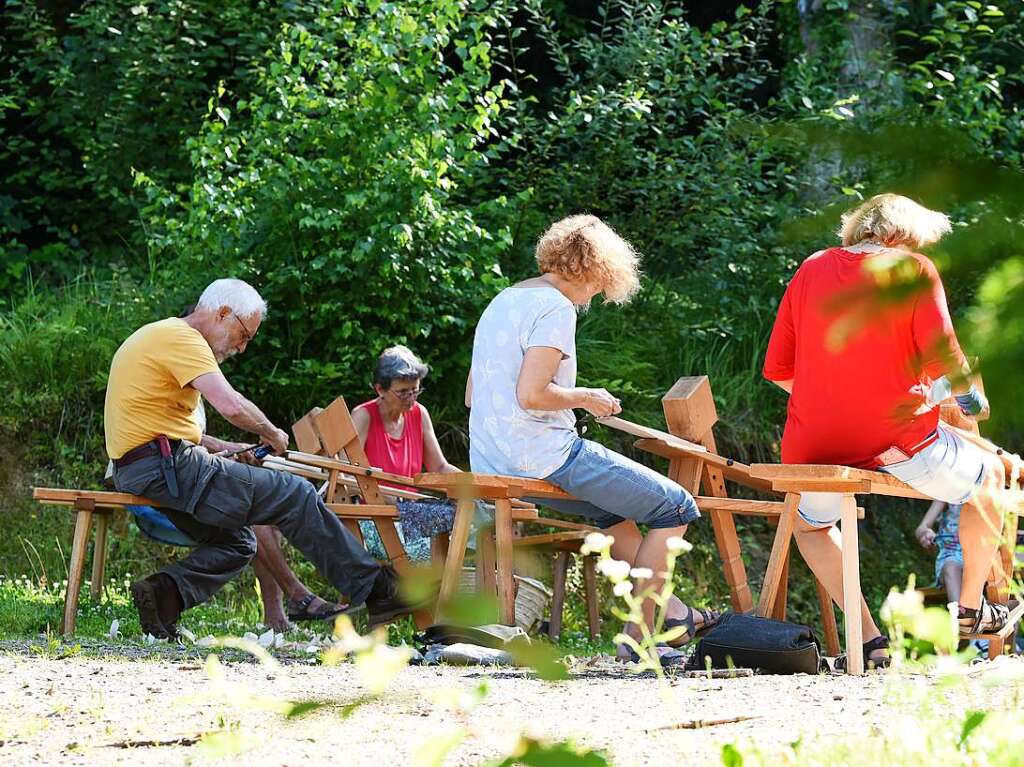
(408, 393)
(248, 335)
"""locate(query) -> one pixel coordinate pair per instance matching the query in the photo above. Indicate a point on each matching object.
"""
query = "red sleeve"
(934, 337)
(780, 357)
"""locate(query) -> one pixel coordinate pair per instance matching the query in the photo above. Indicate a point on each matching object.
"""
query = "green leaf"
(971, 723)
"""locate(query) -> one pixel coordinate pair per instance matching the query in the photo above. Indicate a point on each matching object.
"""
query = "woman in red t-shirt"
(858, 359)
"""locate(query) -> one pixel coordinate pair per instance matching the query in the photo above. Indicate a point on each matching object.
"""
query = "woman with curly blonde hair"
(861, 398)
(522, 391)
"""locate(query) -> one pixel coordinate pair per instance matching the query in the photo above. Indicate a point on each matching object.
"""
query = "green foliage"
(335, 187)
(379, 170)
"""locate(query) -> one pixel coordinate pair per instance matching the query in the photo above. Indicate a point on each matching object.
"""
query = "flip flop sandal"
(880, 642)
(300, 611)
(987, 619)
(709, 619)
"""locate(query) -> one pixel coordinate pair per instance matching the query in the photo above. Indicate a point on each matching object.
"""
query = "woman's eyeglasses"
(408, 393)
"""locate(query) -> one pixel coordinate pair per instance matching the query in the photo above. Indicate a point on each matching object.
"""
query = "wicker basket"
(532, 598)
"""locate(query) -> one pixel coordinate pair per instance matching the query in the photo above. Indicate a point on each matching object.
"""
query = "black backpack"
(747, 641)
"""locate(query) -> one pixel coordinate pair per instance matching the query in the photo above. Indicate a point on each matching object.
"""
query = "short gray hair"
(237, 295)
(398, 362)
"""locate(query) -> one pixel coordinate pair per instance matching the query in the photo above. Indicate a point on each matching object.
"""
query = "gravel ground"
(112, 711)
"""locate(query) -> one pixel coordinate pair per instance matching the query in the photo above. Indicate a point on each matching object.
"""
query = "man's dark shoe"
(159, 604)
(385, 602)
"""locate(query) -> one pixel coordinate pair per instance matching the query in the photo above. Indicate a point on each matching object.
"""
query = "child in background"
(949, 561)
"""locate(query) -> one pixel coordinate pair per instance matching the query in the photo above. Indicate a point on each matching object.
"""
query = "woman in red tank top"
(395, 429)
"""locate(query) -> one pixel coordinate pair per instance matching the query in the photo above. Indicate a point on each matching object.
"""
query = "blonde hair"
(585, 249)
(893, 220)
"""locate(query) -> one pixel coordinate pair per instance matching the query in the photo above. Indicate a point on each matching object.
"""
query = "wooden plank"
(333, 464)
(558, 578)
(488, 486)
(549, 538)
(76, 567)
(777, 559)
(646, 432)
(335, 427)
(352, 525)
(846, 479)
(456, 554)
(503, 559)
(304, 431)
(732, 470)
(99, 556)
(100, 498)
(851, 587)
(861, 487)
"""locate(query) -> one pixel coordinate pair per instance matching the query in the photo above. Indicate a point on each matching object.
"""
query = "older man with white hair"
(153, 438)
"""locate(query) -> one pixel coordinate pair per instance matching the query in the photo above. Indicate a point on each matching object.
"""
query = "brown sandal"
(989, 618)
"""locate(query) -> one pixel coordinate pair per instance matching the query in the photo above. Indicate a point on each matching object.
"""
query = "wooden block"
(335, 427)
(689, 408)
(851, 587)
(304, 431)
(547, 539)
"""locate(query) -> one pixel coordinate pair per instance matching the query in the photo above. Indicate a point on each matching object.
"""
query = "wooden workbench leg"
(485, 561)
(439, 550)
(99, 556)
(353, 527)
(780, 553)
(779, 608)
(76, 572)
(851, 586)
(590, 586)
(723, 525)
(503, 544)
(558, 578)
(464, 511)
(828, 620)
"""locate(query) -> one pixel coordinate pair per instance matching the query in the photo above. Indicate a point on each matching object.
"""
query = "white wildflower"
(614, 569)
(677, 545)
(622, 588)
(642, 572)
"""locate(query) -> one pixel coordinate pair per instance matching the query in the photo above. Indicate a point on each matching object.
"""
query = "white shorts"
(947, 470)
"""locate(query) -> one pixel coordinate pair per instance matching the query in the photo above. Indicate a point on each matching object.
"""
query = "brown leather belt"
(143, 451)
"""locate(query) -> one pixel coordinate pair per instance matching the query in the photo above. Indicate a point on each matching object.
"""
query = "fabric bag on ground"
(747, 641)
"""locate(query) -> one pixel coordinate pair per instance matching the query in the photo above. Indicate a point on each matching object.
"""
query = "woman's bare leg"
(952, 576)
(822, 551)
(270, 558)
(981, 526)
(626, 547)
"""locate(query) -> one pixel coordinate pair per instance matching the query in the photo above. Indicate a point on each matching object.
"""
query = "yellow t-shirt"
(148, 392)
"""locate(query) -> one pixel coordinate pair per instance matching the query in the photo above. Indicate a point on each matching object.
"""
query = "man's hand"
(600, 402)
(925, 536)
(277, 439)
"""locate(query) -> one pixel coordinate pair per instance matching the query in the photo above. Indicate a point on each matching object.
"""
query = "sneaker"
(159, 605)
(385, 603)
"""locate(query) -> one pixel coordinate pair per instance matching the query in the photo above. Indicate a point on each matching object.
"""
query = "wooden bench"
(793, 480)
(328, 441)
(695, 464)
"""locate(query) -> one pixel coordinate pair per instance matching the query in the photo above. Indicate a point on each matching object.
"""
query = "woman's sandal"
(670, 658)
(880, 642)
(299, 611)
(987, 619)
(708, 617)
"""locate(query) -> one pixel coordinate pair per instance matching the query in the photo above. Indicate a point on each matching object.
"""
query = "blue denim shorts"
(949, 470)
(611, 489)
